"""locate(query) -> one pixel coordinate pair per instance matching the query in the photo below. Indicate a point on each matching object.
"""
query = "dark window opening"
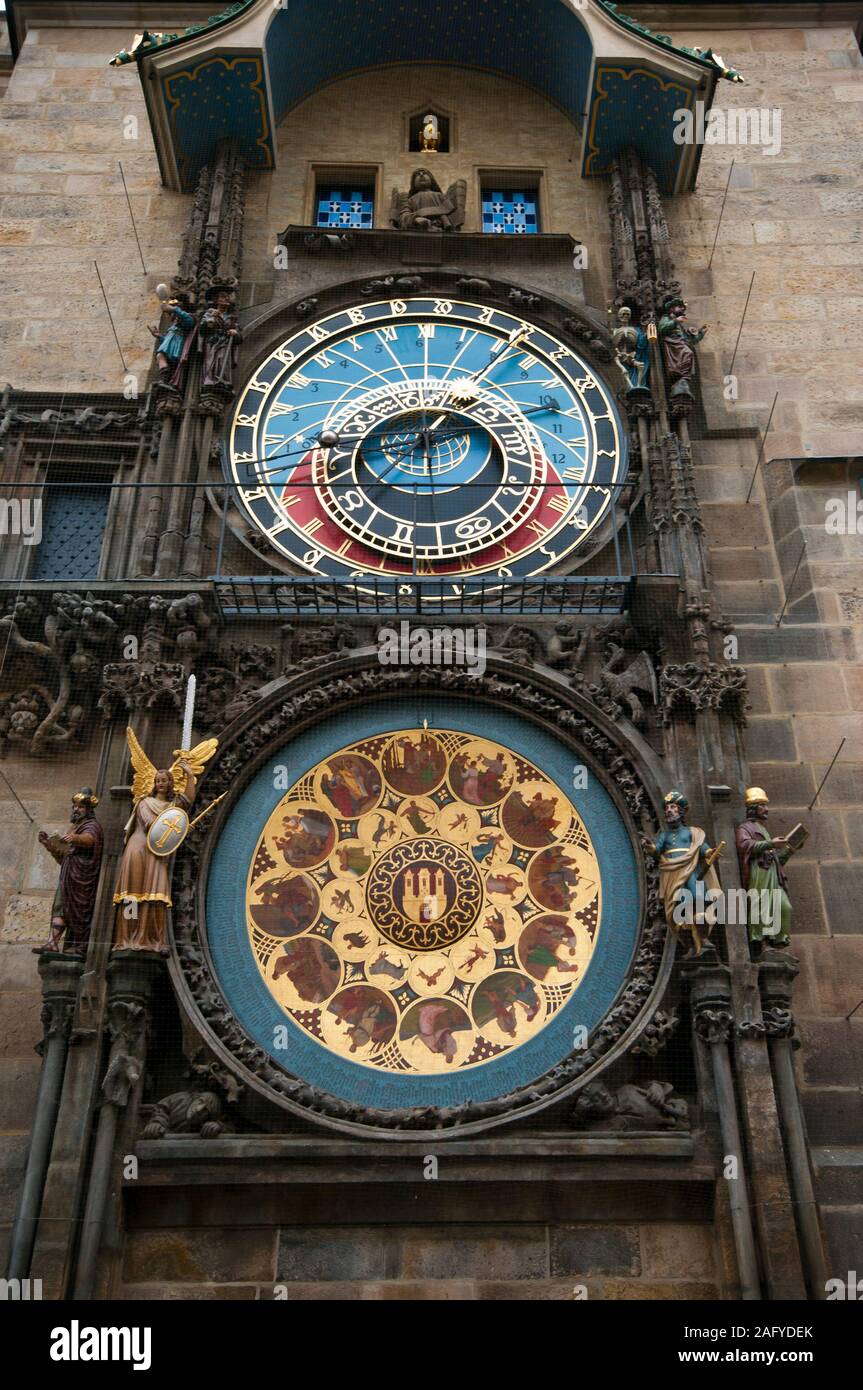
(416, 128)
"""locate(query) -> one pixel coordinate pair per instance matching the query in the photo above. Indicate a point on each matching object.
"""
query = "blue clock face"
(425, 436)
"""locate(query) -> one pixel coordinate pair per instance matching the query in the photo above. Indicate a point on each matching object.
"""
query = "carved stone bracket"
(710, 994)
(657, 1034)
(56, 1018)
(299, 705)
(694, 686)
(713, 1025)
(139, 685)
(127, 1024)
(776, 975)
(776, 1022)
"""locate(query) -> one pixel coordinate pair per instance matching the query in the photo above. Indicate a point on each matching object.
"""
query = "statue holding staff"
(762, 858)
(79, 854)
(219, 339)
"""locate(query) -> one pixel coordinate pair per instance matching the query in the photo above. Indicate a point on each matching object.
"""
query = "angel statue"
(143, 877)
(426, 208)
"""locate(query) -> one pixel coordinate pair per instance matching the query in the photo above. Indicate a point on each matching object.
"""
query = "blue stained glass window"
(345, 206)
(511, 211)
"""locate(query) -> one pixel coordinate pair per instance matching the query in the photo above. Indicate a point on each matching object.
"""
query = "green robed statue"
(762, 858)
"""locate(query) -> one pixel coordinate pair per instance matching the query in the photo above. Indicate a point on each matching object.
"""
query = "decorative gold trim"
(141, 898)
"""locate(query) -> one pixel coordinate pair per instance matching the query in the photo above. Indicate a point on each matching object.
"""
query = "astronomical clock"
(421, 904)
(425, 435)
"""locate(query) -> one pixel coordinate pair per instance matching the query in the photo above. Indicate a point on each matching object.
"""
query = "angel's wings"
(398, 205)
(640, 675)
(196, 758)
(457, 194)
(143, 770)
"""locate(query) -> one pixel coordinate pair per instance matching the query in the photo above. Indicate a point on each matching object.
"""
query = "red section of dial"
(309, 517)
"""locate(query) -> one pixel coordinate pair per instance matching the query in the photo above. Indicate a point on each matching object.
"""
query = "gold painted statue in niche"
(142, 892)
(430, 134)
(423, 901)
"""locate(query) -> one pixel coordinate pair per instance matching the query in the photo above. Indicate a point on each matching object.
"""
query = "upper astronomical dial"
(423, 470)
(425, 435)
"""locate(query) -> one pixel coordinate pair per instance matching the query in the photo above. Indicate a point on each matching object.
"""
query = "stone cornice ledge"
(785, 14)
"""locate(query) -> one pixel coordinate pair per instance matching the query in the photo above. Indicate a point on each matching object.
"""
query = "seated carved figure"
(426, 208)
(187, 1112)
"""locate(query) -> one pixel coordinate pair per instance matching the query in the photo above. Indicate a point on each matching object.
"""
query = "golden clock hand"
(496, 358)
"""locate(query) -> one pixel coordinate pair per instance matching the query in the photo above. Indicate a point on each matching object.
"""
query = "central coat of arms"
(424, 894)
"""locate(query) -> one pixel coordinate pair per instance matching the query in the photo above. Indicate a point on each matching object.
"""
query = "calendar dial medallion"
(425, 436)
(406, 949)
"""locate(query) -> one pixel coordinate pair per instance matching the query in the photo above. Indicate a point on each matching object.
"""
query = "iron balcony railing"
(87, 539)
(265, 596)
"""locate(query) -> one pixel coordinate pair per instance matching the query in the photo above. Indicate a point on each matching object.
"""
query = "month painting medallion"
(423, 901)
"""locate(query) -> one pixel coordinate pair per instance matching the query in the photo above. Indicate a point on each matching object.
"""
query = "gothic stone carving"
(407, 284)
(652, 1106)
(315, 242)
(616, 690)
(226, 691)
(315, 645)
(591, 335)
(87, 421)
(133, 685)
(199, 1111)
(657, 1034)
(713, 1025)
(56, 1017)
(188, 1112)
(127, 1023)
(60, 643)
(180, 627)
(696, 687)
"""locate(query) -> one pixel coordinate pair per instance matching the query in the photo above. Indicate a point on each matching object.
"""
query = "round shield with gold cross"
(168, 831)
